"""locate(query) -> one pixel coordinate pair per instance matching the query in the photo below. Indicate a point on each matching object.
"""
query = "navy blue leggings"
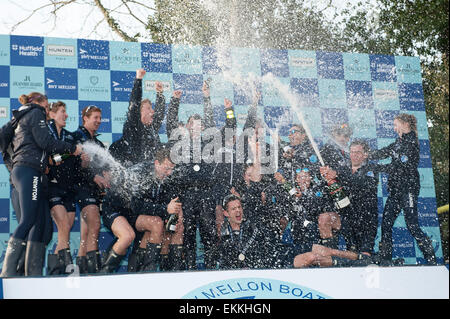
(34, 221)
(395, 203)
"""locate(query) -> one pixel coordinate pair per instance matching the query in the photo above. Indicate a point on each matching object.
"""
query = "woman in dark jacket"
(31, 146)
(61, 188)
(403, 186)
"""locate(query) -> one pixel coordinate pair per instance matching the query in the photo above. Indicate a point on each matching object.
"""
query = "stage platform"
(372, 282)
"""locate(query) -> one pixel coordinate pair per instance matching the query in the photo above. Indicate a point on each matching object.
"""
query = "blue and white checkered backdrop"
(366, 91)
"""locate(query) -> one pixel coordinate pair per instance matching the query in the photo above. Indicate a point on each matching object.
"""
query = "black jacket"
(333, 156)
(65, 174)
(193, 173)
(86, 175)
(362, 186)
(304, 156)
(252, 242)
(405, 156)
(32, 142)
(152, 195)
(141, 141)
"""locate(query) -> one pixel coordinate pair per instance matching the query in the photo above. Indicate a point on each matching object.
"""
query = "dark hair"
(54, 107)
(88, 110)
(194, 117)
(229, 198)
(362, 143)
(162, 154)
(32, 97)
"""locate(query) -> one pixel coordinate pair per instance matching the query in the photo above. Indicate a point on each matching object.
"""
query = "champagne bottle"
(171, 224)
(57, 158)
(337, 193)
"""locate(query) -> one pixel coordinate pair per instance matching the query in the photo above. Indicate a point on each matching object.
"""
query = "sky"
(79, 20)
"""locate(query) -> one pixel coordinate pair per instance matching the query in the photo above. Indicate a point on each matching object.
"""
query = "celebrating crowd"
(242, 197)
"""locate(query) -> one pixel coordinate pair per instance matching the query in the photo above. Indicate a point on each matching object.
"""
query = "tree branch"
(113, 24)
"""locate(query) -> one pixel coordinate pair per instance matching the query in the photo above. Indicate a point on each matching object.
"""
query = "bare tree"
(116, 14)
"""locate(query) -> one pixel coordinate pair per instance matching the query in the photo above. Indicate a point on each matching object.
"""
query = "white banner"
(373, 282)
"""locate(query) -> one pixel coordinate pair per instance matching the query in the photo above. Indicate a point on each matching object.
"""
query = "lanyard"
(54, 133)
(241, 256)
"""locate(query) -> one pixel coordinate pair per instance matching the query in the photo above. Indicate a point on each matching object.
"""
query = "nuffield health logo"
(254, 288)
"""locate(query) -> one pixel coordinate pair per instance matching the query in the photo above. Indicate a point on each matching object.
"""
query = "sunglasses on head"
(299, 170)
(51, 106)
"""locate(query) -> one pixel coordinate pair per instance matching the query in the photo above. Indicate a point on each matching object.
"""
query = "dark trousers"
(395, 203)
(34, 216)
(199, 210)
(359, 226)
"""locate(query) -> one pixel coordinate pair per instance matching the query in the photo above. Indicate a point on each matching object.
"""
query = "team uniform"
(403, 187)
(334, 156)
(196, 191)
(62, 180)
(360, 218)
(31, 146)
(250, 247)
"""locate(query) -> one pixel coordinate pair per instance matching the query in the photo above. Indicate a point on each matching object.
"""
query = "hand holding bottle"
(174, 206)
(327, 173)
(78, 150)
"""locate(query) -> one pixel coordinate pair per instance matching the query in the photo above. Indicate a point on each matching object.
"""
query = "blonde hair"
(409, 119)
(32, 97)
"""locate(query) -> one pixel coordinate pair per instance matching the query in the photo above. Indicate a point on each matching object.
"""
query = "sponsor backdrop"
(366, 91)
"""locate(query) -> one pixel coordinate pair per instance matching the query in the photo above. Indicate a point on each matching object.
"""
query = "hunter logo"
(61, 50)
(303, 62)
(34, 193)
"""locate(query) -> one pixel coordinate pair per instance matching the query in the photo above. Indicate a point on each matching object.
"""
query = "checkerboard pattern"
(366, 91)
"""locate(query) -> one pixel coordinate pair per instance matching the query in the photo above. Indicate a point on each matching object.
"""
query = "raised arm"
(172, 113)
(208, 116)
(253, 112)
(383, 153)
(160, 107)
(134, 108)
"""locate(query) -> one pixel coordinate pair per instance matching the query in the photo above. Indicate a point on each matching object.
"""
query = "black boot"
(385, 251)
(81, 262)
(53, 265)
(165, 264)
(426, 247)
(140, 258)
(132, 262)
(176, 257)
(152, 257)
(34, 258)
(21, 264)
(65, 259)
(14, 251)
(111, 263)
(93, 261)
